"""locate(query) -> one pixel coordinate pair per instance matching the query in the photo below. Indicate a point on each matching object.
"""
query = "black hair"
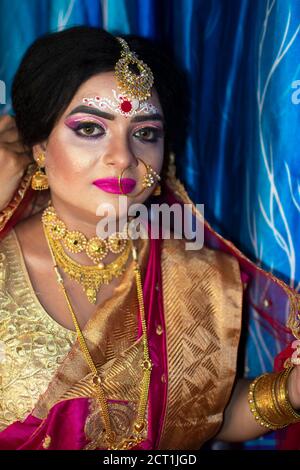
(56, 64)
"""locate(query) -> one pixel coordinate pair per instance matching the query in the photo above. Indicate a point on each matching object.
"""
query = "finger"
(13, 163)
(6, 122)
(15, 148)
(25, 159)
(10, 135)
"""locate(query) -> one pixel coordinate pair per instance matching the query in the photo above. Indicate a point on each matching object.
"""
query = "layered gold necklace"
(139, 425)
(89, 277)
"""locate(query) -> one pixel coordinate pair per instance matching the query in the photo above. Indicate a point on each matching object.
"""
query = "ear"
(38, 150)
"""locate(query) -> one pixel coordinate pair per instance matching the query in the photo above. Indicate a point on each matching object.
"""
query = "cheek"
(66, 160)
(151, 154)
(160, 159)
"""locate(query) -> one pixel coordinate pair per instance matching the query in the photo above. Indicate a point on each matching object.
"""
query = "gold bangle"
(268, 400)
(274, 392)
(260, 404)
(282, 397)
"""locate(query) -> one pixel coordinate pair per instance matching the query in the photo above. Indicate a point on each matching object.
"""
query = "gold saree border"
(202, 297)
(7, 213)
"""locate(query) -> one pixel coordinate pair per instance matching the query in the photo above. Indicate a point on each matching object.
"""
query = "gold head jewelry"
(136, 435)
(134, 77)
(39, 180)
(150, 178)
(89, 277)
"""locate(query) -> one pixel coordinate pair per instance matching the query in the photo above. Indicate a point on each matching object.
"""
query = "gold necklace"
(96, 248)
(136, 436)
(89, 277)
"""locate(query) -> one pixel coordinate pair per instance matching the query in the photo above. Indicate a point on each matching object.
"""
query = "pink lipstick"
(111, 185)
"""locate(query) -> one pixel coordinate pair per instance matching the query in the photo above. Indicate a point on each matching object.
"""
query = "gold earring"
(39, 180)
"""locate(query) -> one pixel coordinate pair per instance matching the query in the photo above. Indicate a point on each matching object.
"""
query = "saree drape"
(194, 313)
(194, 307)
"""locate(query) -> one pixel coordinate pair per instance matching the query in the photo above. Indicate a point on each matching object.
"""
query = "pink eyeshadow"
(74, 121)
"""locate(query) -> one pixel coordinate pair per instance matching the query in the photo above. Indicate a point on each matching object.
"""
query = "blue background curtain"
(241, 158)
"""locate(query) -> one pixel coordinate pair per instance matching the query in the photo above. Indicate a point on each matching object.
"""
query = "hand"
(14, 158)
(294, 387)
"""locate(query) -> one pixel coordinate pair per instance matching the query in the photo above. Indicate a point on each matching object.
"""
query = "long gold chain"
(136, 436)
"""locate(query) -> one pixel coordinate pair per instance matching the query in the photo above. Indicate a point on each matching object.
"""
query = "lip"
(111, 185)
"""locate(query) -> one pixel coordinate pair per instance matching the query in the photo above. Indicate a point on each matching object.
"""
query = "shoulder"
(194, 264)
(202, 292)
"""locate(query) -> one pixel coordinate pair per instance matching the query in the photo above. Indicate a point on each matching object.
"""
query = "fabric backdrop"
(241, 157)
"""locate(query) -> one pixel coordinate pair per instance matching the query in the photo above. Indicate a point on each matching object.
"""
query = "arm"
(239, 424)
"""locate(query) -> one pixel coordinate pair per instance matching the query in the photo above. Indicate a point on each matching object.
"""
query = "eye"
(87, 129)
(149, 134)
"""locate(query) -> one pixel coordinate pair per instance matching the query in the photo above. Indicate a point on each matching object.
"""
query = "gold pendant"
(127, 443)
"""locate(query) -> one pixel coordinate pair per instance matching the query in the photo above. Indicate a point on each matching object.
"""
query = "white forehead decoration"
(121, 104)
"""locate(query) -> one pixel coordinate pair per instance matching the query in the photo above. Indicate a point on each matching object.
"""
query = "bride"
(116, 343)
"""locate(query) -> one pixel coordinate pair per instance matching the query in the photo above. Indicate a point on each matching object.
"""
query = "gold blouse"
(32, 343)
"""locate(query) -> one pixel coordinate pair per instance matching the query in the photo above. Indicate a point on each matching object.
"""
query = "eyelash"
(85, 125)
(157, 133)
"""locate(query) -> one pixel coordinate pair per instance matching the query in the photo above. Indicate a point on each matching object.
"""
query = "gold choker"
(96, 248)
(89, 277)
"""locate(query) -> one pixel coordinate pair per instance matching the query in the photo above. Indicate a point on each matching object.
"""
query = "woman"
(117, 343)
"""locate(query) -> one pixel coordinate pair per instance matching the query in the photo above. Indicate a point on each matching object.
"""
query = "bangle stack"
(269, 401)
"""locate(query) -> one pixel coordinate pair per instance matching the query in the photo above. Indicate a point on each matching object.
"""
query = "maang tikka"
(135, 79)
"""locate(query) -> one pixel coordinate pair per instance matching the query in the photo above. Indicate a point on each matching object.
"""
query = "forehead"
(103, 85)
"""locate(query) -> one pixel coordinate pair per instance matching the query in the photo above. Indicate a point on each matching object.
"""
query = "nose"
(119, 155)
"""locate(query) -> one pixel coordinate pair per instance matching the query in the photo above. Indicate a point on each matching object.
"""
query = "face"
(89, 148)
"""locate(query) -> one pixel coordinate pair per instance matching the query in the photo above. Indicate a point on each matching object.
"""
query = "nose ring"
(150, 178)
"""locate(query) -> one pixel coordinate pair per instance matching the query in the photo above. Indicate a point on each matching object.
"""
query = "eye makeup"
(155, 131)
(82, 122)
(73, 121)
(149, 133)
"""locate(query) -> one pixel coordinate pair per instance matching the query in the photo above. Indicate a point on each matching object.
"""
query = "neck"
(82, 221)
(75, 218)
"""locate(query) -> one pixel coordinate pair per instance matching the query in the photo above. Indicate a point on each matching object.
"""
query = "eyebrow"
(111, 117)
